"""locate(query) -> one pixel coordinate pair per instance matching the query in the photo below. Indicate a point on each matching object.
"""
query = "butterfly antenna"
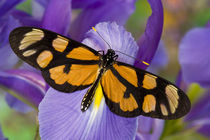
(119, 51)
(133, 58)
(101, 37)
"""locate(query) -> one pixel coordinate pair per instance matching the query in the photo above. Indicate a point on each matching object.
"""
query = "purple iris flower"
(60, 116)
(195, 64)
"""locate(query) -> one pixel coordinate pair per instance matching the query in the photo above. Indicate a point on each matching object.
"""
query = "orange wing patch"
(149, 81)
(127, 73)
(31, 38)
(172, 96)
(78, 75)
(60, 43)
(29, 52)
(82, 53)
(128, 104)
(163, 109)
(149, 103)
(44, 58)
(115, 90)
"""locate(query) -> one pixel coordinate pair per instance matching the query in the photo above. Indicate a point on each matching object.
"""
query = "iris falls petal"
(60, 117)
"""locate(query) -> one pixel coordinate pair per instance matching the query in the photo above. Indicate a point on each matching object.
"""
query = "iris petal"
(24, 84)
(60, 117)
(8, 5)
(149, 128)
(149, 41)
(57, 16)
(198, 117)
(202, 106)
(116, 10)
(194, 56)
(117, 37)
(16, 104)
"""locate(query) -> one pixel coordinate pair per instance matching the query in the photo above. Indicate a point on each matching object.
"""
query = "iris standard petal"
(149, 41)
(194, 56)
(16, 104)
(57, 16)
(26, 85)
(60, 117)
(149, 128)
(7, 5)
(118, 39)
(116, 10)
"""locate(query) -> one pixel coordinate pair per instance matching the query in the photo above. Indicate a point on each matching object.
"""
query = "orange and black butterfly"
(68, 66)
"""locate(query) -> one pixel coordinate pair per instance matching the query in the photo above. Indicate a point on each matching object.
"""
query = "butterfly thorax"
(108, 58)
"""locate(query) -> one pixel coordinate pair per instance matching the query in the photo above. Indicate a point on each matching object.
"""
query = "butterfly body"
(106, 61)
(69, 66)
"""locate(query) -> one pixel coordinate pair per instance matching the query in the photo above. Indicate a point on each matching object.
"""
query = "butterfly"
(69, 66)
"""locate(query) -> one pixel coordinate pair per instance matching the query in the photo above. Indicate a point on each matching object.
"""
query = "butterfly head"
(109, 58)
(110, 53)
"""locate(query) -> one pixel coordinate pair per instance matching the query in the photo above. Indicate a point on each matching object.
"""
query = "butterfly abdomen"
(88, 98)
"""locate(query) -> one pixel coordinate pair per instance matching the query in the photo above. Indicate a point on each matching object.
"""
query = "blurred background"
(180, 16)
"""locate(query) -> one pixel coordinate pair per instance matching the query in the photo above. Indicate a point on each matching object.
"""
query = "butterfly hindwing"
(70, 78)
(58, 57)
(130, 92)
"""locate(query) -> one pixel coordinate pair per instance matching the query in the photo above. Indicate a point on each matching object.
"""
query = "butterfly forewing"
(66, 65)
(130, 92)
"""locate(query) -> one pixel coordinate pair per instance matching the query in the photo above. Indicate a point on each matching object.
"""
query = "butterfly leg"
(115, 57)
(101, 51)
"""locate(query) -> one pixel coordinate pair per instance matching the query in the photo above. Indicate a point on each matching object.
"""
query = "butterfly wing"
(130, 92)
(66, 65)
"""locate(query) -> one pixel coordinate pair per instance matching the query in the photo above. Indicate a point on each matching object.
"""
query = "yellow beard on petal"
(96, 111)
(98, 96)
